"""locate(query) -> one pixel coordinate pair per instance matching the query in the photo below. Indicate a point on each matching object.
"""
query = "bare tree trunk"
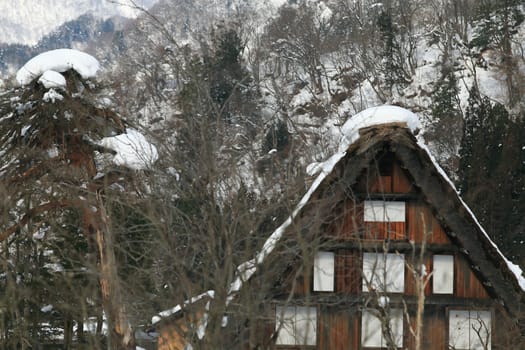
(121, 335)
(68, 332)
(422, 279)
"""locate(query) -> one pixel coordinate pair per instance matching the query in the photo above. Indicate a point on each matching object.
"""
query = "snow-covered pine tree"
(54, 133)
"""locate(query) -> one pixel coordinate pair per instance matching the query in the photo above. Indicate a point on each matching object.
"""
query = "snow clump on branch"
(58, 61)
(132, 150)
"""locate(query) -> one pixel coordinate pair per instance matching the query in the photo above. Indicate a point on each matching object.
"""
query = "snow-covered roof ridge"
(374, 116)
(58, 61)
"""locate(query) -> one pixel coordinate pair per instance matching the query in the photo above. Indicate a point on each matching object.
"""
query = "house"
(380, 253)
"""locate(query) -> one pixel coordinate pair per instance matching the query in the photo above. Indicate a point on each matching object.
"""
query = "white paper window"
(443, 274)
(384, 211)
(296, 325)
(372, 334)
(384, 272)
(469, 329)
(324, 264)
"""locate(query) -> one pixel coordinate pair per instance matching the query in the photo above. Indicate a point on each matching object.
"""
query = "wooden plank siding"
(348, 272)
(422, 224)
(351, 226)
(401, 181)
(434, 330)
(379, 231)
(336, 329)
(410, 281)
(387, 177)
(339, 329)
(467, 284)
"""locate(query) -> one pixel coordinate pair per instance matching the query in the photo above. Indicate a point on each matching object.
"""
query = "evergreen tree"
(393, 66)
(446, 123)
(492, 172)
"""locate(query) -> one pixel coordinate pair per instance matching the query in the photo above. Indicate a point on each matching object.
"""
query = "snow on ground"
(491, 83)
(132, 150)
(302, 98)
(58, 61)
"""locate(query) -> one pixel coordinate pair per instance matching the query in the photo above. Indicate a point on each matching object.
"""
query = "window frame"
(485, 311)
(387, 280)
(284, 323)
(384, 211)
(324, 283)
(395, 322)
(436, 277)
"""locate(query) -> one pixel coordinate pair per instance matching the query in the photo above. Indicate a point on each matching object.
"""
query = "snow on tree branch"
(59, 61)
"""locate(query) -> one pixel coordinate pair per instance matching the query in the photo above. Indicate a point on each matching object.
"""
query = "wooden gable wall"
(339, 321)
(354, 234)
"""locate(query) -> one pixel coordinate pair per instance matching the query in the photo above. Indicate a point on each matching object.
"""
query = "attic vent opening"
(386, 165)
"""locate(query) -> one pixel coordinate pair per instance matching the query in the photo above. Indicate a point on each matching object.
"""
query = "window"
(324, 272)
(384, 272)
(296, 325)
(443, 274)
(469, 329)
(371, 333)
(382, 211)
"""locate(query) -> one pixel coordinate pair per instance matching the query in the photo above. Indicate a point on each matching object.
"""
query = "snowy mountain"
(71, 34)
(27, 21)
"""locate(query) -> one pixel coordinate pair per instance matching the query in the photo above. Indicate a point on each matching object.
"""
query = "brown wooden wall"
(467, 284)
(348, 272)
(348, 277)
(386, 179)
(420, 223)
(339, 330)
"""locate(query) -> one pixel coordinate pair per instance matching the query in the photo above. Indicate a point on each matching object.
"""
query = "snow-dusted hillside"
(26, 21)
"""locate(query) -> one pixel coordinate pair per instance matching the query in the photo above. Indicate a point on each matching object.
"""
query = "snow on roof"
(385, 114)
(166, 313)
(132, 149)
(376, 116)
(58, 61)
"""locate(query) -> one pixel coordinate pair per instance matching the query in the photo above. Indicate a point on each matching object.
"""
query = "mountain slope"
(27, 21)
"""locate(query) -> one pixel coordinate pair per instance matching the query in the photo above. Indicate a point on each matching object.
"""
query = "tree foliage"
(492, 171)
